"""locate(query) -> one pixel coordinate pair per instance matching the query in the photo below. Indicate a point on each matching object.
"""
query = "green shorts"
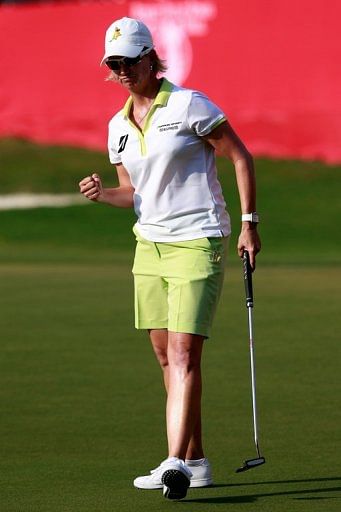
(178, 284)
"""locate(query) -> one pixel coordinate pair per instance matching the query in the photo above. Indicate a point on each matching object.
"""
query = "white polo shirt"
(172, 169)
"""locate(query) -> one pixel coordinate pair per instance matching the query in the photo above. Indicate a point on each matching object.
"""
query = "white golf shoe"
(200, 469)
(176, 478)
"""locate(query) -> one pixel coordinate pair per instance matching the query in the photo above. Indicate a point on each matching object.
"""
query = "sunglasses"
(129, 62)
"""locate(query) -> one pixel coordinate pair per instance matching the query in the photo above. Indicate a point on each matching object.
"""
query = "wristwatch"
(250, 217)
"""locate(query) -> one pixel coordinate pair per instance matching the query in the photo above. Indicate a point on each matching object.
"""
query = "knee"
(184, 352)
(161, 356)
(184, 360)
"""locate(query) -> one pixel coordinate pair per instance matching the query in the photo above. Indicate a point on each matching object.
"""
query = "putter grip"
(248, 280)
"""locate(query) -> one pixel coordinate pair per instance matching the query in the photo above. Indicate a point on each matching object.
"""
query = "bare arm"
(227, 143)
(121, 196)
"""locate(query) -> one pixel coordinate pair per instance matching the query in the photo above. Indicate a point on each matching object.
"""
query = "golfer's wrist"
(103, 196)
(249, 226)
(252, 217)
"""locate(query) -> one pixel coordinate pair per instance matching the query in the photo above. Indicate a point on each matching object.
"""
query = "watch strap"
(250, 217)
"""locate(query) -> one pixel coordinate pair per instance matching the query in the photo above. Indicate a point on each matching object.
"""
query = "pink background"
(272, 66)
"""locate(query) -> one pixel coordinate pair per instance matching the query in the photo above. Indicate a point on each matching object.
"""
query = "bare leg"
(159, 339)
(179, 356)
(184, 390)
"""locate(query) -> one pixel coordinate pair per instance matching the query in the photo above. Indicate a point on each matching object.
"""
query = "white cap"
(126, 38)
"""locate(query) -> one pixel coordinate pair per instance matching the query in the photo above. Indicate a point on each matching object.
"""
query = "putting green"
(82, 402)
(81, 398)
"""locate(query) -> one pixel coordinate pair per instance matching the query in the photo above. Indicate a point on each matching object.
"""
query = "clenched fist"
(91, 187)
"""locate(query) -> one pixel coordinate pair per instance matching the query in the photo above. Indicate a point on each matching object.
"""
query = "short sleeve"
(114, 157)
(203, 115)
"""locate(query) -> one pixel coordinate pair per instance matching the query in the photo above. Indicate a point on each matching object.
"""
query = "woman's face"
(135, 77)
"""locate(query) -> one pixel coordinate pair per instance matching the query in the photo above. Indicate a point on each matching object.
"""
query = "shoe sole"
(203, 482)
(149, 487)
(175, 484)
(194, 484)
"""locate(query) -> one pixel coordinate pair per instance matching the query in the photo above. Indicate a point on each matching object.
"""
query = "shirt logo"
(169, 126)
(116, 34)
(122, 143)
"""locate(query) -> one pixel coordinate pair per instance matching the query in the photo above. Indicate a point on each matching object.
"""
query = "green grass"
(82, 402)
(80, 393)
(298, 202)
(28, 167)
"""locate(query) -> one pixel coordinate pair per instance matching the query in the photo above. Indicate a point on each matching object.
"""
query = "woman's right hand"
(91, 187)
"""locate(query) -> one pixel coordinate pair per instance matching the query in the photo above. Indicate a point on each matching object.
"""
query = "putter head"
(251, 463)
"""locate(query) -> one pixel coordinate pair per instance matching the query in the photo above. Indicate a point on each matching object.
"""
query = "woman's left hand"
(249, 241)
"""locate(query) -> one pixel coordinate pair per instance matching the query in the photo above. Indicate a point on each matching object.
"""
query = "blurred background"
(78, 399)
(271, 66)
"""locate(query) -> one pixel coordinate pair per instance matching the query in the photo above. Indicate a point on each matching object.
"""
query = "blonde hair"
(157, 66)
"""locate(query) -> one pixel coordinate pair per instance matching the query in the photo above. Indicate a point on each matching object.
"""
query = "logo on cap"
(116, 34)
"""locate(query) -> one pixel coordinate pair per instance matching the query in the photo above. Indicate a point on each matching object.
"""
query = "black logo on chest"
(122, 143)
(169, 126)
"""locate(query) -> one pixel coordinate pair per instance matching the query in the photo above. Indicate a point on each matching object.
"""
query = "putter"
(251, 463)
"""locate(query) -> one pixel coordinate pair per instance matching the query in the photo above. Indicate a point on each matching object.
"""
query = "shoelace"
(158, 469)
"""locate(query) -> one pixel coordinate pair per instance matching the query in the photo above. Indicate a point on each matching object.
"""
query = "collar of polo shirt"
(160, 100)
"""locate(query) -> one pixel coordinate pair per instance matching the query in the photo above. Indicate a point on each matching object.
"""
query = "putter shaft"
(253, 381)
(251, 463)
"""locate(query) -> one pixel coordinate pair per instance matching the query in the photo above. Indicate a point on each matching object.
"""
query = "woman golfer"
(163, 145)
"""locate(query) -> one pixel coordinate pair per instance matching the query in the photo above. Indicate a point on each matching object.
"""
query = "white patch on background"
(23, 201)
(172, 24)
